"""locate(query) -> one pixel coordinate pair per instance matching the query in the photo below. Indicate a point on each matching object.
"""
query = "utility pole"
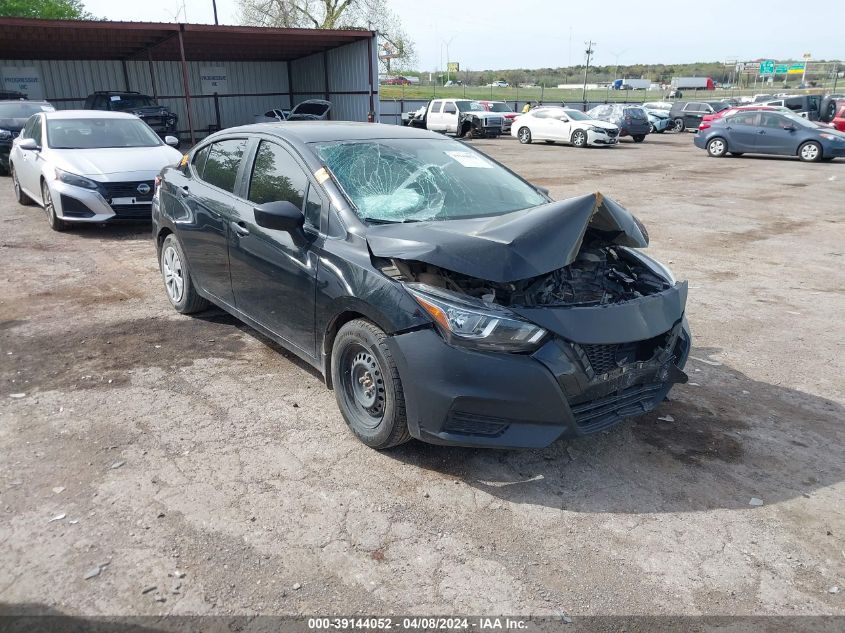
(214, 4)
(589, 54)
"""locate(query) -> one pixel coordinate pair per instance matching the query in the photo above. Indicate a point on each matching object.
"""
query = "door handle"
(239, 228)
(761, 132)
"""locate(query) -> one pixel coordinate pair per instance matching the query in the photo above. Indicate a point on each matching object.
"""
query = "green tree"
(45, 9)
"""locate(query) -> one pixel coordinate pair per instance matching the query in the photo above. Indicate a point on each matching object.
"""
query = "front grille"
(153, 120)
(612, 133)
(462, 423)
(600, 414)
(494, 121)
(128, 190)
(602, 357)
(133, 211)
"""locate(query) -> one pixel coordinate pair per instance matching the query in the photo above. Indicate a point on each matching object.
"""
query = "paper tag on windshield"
(48, 108)
(115, 98)
(469, 159)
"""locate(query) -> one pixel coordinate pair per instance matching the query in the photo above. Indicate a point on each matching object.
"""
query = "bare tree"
(375, 15)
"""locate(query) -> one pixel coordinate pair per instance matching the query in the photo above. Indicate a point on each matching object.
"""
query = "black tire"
(679, 126)
(736, 154)
(55, 222)
(827, 110)
(469, 133)
(579, 139)
(717, 147)
(20, 196)
(810, 152)
(368, 387)
(186, 300)
(638, 138)
(524, 136)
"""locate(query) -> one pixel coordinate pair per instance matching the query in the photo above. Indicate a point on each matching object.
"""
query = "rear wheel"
(810, 152)
(717, 147)
(524, 135)
(638, 138)
(651, 129)
(579, 138)
(20, 196)
(56, 223)
(367, 385)
(180, 287)
(679, 125)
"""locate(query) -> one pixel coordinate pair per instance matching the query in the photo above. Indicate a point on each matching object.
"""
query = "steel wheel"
(717, 147)
(174, 279)
(524, 135)
(810, 152)
(363, 385)
(579, 138)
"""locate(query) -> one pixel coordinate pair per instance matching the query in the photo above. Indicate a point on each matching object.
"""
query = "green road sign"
(781, 69)
(767, 67)
(795, 69)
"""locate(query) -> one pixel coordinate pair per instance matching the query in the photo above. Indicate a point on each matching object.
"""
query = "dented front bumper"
(463, 397)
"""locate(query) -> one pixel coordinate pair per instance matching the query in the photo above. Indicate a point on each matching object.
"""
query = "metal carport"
(265, 68)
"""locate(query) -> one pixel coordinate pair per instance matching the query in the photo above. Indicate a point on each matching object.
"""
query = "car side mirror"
(564, 119)
(28, 143)
(279, 216)
(172, 141)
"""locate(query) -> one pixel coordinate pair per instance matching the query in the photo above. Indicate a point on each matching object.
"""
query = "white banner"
(214, 79)
(25, 79)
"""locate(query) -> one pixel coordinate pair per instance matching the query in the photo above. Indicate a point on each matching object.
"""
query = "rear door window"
(449, 108)
(745, 118)
(223, 162)
(693, 106)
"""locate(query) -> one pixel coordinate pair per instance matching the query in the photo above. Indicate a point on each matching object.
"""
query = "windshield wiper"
(383, 221)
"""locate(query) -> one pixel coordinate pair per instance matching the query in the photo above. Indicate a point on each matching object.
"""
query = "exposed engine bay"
(601, 274)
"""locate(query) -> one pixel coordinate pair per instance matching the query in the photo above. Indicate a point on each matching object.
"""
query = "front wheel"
(651, 128)
(20, 196)
(56, 223)
(638, 138)
(810, 152)
(368, 387)
(180, 287)
(579, 138)
(524, 136)
(717, 147)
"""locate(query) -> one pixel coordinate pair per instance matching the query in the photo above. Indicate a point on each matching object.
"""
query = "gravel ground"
(152, 463)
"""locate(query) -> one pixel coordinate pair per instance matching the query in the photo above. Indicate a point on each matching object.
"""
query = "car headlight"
(473, 323)
(825, 135)
(597, 130)
(76, 181)
(5, 134)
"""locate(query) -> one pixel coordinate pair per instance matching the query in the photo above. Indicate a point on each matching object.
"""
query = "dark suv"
(158, 117)
(689, 114)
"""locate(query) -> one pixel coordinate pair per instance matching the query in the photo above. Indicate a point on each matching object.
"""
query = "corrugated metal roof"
(22, 38)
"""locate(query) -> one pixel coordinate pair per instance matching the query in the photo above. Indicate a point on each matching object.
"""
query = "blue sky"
(536, 34)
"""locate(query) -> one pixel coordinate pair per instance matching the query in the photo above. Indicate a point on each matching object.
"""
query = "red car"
(839, 120)
(505, 109)
(705, 122)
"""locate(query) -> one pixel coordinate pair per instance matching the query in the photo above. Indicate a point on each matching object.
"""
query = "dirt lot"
(149, 442)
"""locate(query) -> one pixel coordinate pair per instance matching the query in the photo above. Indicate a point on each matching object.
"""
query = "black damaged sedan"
(441, 296)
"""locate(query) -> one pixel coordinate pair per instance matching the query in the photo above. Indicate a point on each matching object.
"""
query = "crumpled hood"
(509, 247)
(105, 161)
(149, 111)
(602, 124)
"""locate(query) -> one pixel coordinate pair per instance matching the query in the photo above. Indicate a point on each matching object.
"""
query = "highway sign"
(767, 67)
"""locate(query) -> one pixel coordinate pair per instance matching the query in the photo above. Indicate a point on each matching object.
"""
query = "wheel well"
(328, 340)
(162, 235)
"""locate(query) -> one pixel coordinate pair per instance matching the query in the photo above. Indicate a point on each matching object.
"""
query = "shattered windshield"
(410, 180)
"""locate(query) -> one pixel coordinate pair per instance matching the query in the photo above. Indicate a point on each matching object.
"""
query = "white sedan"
(552, 124)
(87, 166)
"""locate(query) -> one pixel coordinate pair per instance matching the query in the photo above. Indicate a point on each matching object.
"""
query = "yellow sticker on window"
(184, 160)
(321, 175)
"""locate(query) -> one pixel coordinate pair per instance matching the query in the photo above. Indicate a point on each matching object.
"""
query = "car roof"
(324, 131)
(88, 114)
(2, 101)
(115, 92)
